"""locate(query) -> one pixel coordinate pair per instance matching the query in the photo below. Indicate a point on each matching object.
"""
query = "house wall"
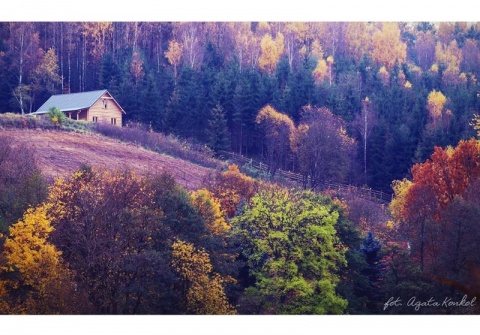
(111, 114)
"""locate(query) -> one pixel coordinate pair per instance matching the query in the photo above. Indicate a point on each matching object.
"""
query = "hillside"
(58, 153)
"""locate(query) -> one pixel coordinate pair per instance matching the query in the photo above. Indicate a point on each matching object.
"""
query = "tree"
(22, 184)
(112, 232)
(204, 293)
(320, 135)
(272, 49)
(278, 128)
(219, 136)
(371, 250)
(365, 122)
(292, 251)
(435, 105)
(209, 209)
(387, 47)
(233, 189)
(23, 48)
(174, 55)
(45, 77)
(43, 285)
(56, 116)
(441, 186)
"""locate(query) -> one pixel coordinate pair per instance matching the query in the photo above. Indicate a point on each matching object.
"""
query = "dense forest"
(390, 105)
(400, 88)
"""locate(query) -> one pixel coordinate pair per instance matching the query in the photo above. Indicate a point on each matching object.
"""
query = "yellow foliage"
(387, 47)
(174, 52)
(384, 75)
(321, 71)
(358, 39)
(435, 104)
(210, 210)
(38, 262)
(400, 189)
(408, 85)
(434, 68)
(205, 293)
(27, 248)
(272, 49)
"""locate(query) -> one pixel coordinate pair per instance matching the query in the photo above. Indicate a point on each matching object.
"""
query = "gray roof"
(72, 101)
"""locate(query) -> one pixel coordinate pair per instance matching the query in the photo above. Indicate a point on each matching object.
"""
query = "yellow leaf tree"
(43, 284)
(272, 49)
(278, 129)
(435, 105)
(174, 55)
(210, 210)
(205, 293)
(387, 47)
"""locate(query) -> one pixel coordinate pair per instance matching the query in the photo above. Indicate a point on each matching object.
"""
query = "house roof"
(72, 101)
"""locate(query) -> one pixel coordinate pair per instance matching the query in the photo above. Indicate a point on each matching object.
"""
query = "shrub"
(56, 116)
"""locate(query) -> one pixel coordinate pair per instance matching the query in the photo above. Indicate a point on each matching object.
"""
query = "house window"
(95, 119)
(113, 121)
(104, 103)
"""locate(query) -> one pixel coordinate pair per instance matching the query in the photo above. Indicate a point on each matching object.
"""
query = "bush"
(11, 120)
(56, 116)
(168, 144)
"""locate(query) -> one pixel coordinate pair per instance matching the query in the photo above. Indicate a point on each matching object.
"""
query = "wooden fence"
(363, 192)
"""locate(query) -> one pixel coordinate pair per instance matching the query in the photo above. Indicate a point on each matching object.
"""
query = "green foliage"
(56, 116)
(219, 136)
(292, 252)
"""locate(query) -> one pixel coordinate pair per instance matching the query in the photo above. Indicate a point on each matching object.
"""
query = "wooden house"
(93, 106)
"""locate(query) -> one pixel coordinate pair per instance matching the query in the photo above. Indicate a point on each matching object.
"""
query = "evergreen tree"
(218, 134)
(371, 250)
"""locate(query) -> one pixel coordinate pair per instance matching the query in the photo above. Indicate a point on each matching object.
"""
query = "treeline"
(401, 88)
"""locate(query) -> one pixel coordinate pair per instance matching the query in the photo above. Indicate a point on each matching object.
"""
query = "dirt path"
(58, 153)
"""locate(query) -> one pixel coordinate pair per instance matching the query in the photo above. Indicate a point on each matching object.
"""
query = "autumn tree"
(24, 50)
(38, 279)
(204, 288)
(322, 146)
(114, 231)
(46, 75)
(209, 209)
(435, 104)
(272, 49)
(387, 47)
(232, 188)
(174, 56)
(278, 129)
(358, 39)
(292, 253)
(430, 207)
(449, 57)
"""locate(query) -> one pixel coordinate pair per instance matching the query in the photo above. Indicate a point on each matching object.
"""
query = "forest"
(390, 106)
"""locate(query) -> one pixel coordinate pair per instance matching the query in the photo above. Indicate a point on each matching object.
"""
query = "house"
(93, 106)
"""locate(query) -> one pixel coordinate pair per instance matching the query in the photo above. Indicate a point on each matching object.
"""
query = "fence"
(363, 192)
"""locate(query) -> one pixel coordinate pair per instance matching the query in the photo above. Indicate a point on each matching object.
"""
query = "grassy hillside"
(59, 152)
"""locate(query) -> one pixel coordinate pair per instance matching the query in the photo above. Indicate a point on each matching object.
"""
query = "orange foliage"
(447, 174)
(231, 188)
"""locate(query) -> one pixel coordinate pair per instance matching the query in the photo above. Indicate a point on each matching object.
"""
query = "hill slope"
(58, 153)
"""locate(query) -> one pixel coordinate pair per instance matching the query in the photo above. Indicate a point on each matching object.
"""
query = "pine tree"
(371, 249)
(218, 134)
